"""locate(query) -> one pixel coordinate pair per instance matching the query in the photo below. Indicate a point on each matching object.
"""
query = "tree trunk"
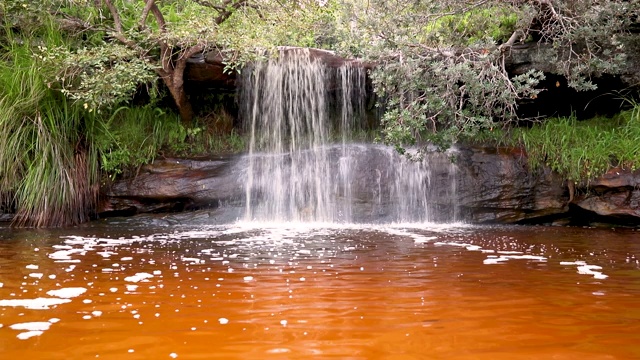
(175, 83)
(182, 102)
(173, 77)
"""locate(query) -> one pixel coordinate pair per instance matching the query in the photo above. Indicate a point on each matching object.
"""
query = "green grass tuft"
(583, 150)
(45, 165)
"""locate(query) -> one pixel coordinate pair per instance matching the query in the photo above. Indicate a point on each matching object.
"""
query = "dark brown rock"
(173, 185)
(616, 194)
(208, 69)
(491, 186)
(497, 186)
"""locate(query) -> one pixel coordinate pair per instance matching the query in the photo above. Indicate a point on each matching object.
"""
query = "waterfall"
(301, 166)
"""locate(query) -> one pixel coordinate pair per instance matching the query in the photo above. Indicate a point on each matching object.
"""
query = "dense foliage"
(441, 64)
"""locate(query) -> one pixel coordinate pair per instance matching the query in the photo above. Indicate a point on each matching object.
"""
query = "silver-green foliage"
(447, 97)
(97, 77)
(441, 69)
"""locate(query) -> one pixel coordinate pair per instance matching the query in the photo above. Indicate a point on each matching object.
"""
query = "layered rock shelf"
(492, 186)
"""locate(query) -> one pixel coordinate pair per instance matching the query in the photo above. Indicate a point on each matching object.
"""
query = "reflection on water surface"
(259, 291)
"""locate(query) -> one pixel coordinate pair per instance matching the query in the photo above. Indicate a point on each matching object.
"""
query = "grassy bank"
(134, 136)
(47, 169)
(579, 150)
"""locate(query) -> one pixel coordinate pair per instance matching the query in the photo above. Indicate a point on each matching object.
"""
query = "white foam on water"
(106, 254)
(62, 247)
(573, 263)
(31, 329)
(223, 321)
(34, 304)
(590, 270)
(278, 351)
(492, 259)
(504, 255)
(139, 277)
(32, 267)
(32, 326)
(65, 255)
(417, 238)
(67, 293)
(467, 246)
(585, 269)
(29, 334)
(36, 275)
(248, 278)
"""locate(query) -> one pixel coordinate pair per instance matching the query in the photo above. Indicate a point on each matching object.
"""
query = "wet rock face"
(496, 186)
(173, 185)
(482, 185)
(615, 195)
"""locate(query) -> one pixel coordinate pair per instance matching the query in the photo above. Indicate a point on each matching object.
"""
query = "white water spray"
(301, 165)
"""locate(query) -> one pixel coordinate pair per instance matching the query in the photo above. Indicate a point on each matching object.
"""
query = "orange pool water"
(311, 292)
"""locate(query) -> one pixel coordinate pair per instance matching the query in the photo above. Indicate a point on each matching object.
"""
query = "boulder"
(615, 195)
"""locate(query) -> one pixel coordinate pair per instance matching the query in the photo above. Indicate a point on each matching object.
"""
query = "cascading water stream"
(301, 165)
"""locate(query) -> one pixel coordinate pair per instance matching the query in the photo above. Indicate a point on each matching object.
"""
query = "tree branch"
(145, 13)
(116, 16)
(162, 24)
(228, 8)
(209, 4)
(512, 39)
(118, 34)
